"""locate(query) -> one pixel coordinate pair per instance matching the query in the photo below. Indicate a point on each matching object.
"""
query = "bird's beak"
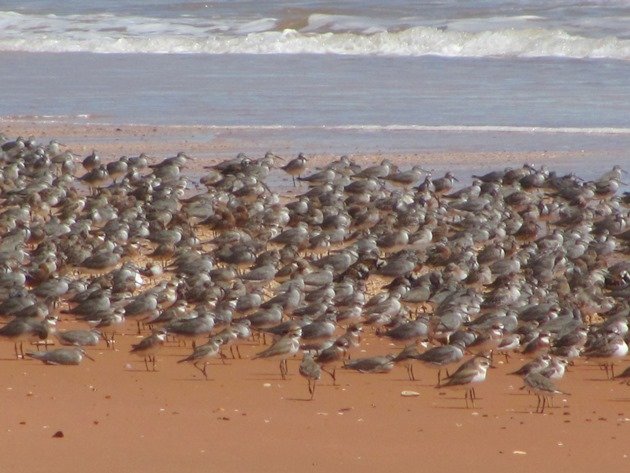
(88, 356)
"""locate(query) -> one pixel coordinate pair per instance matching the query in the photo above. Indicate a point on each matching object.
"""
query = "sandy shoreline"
(246, 418)
(115, 416)
(211, 145)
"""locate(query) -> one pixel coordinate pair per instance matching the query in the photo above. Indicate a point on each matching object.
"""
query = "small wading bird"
(148, 348)
(61, 356)
(283, 349)
(543, 387)
(311, 371)
(202, 353)
(467, 375)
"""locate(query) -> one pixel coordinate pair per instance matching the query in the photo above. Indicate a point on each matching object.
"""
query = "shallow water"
(353, 78)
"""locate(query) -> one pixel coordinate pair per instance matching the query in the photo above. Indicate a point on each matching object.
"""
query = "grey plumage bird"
(61, 356)
(467, 375)
(31, 330)
(310, 370)
(283, 349)
(372, 364)
(543, 387)
(202, 353)
(295, 167)
(79, 338)
(148, 347)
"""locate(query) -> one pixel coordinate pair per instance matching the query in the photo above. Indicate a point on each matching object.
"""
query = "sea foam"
(106, 33)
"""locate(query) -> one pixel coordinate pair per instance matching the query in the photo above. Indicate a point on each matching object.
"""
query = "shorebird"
(332, 356)
(406, 357)
(467, 375)
(191, 328)
(19, 330)
(61, 356)
(148, 347)
(543, 387)
(202, 353)
(232, 336)
(372, 364)
(606, 349)
(406, 178)
(536, 365)
(283, 349)
(441, 357)
(295, 167)
(310, 370)
(79, 338)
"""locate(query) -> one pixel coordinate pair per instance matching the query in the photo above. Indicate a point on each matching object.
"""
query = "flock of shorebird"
(521, 260)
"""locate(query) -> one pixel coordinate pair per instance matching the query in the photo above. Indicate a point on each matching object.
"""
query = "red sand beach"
(113, 415)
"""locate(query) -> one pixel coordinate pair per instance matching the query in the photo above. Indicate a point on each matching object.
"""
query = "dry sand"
(115, 416)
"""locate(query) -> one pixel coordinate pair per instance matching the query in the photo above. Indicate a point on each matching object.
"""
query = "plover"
(202, 353)
(310, 370)
(284, 348)
(467, 375)
(543, 387)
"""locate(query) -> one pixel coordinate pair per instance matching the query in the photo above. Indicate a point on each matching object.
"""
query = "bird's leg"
(232, 352)
(313, 391)
(146, 363)
(612, 371)
(239, 352)
(205, 366)
(17, 355)
(154, 362)
(330, 373)
(466, 398)
(282, 372)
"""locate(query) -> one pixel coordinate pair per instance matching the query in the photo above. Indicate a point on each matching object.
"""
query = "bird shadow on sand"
(196, 380)
(459, 408)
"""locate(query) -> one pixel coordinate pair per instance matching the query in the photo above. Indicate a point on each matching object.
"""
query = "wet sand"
(208, 145)
(116, 416)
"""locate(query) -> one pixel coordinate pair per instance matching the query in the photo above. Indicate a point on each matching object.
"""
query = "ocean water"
(362, 75)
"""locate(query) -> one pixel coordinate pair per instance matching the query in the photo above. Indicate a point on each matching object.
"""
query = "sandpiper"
(61, 356)
(295, 167)
(18, 330)
(148, 347)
